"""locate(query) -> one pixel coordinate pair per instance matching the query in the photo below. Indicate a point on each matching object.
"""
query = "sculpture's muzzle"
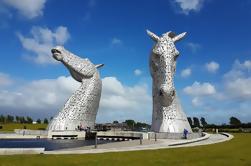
(57, 54)
(167, 95)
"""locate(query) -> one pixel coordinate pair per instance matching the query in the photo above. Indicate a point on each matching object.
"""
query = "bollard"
(96, 141)
(155, 136)
(140, 139)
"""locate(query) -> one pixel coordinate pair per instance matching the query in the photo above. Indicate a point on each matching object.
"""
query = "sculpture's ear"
(152, 35)
(179, 37)
(99, 65)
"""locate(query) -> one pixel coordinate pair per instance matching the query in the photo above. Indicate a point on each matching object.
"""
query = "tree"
(203, 122)
(10, 119)
(130, 123)
(234, 121)
(196, 122)
(190, 121)
(140, 126)
(29, 119)
(22, 119)
(38, 121)
(17, 119)
(115, 122)
(2, 119)
(45, 121)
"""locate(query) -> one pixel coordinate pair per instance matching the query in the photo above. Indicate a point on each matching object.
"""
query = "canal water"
(48, 144)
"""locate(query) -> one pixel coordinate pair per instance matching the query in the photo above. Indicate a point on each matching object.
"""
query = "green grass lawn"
(235, 152)
(9, 127)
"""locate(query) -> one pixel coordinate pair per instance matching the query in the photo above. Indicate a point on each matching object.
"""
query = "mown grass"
(235, 152)
(9, 127)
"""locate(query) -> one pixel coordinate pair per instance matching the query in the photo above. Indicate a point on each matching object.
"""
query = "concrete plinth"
(67, 134)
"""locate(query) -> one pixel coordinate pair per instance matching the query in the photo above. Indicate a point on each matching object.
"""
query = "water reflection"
(48, 144)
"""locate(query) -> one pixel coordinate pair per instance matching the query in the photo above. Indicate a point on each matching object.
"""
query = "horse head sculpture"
(168, 115)
(163, 64)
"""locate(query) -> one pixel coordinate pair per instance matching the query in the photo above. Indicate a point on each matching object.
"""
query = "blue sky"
(213, 76)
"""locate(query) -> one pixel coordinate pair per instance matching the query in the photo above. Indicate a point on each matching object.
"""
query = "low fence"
(31, 132)
(123, 134)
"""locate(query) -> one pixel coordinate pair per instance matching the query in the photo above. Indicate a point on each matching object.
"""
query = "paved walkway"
(147, 145)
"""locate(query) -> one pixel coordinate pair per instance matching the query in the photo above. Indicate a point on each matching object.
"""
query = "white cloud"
(239, 89)
(200, 89)
(39, 94)
(112, 86)
(116, 41)
(212, 66)
(232, 97)
(237, 82)
(200, 92)
(5, 80)
(189, 5)
(137, 72)
(196, 101)
(247, 64)
(41, 42)
(46, 97)
(186, 72)
(120, 102)
(27, 8)
(194, 47)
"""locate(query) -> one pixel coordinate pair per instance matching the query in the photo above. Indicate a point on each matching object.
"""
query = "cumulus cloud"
(200, 89)
(247, 64)
(194, 47)
(187, 6)
(186, 72)
(120, 102)
(232, 97)
(196, 101)
(239, 89)
(38, 94)
(27, 8)
(212, 66)
(239, 70)
(45, 97)
(41, 42)
(137, 72)
(237, 82)
(5, 80)
(116, 41)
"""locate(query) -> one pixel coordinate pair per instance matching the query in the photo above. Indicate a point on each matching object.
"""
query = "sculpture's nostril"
(55, 51)
(160, 93)
(164, 92)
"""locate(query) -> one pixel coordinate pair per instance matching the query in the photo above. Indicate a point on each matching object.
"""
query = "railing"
(31, 132)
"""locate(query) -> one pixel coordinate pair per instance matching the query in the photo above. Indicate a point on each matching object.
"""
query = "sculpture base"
(66, 134)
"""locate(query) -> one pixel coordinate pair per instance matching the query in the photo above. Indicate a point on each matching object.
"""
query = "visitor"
(185, 132)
